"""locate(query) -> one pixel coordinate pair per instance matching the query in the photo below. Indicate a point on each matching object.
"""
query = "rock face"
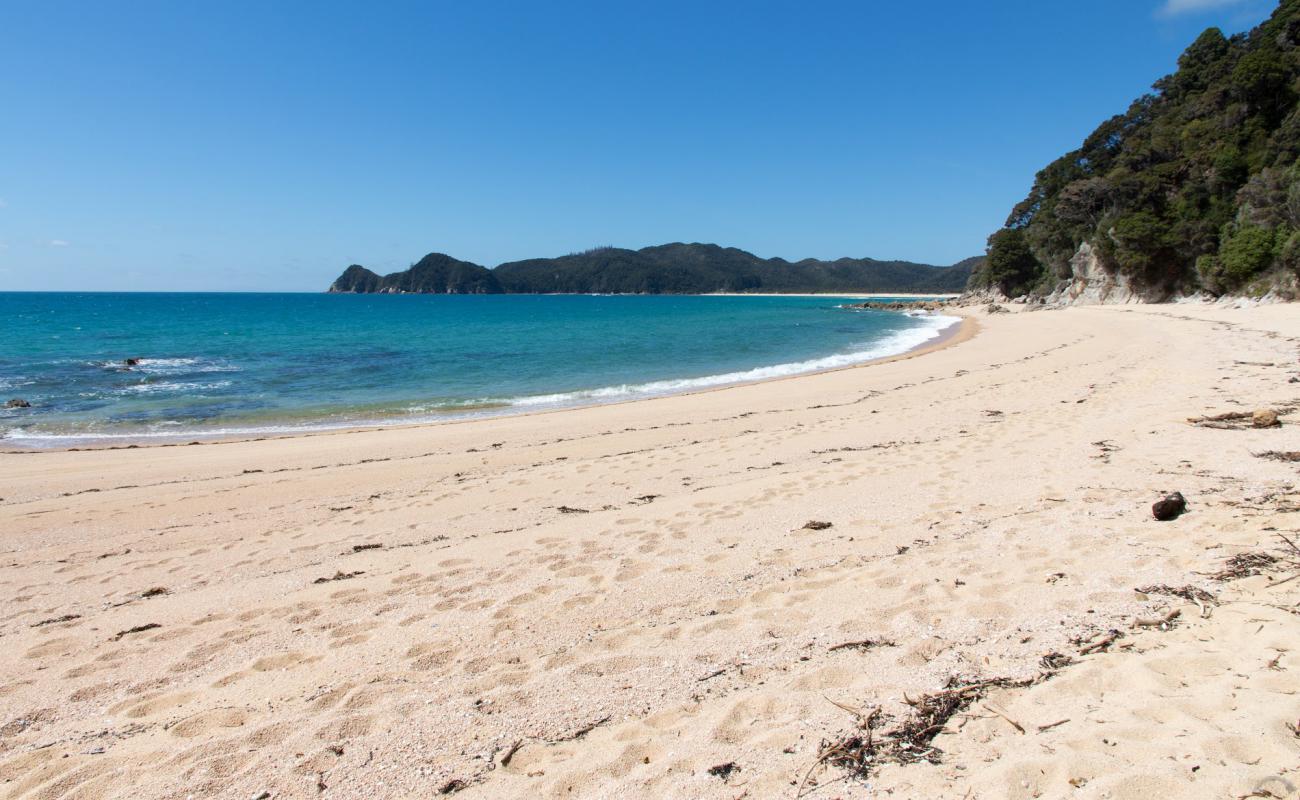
(1092, 284)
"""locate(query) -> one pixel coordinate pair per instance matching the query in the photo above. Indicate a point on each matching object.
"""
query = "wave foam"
(895, 344)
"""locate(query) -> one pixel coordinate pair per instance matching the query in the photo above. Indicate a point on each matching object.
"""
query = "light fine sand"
(624, 601)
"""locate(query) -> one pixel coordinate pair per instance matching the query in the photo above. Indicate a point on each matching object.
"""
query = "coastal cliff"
(1194, 190)
(436, 273)
(664, 269)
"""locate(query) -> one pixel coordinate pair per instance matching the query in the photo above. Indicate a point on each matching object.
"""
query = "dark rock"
(724, 770)
(1169, 508)
(18, 402)
(131, 362)
(816, 525)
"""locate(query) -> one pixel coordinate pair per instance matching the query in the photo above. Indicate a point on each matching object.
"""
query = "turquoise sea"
(212, 365)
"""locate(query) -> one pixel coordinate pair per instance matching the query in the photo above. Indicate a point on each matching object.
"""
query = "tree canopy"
(1194, 187)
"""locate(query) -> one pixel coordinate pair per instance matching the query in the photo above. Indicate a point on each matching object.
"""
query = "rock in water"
(1264, 418)
(1170, 507)
(18, 402)
(131, 362)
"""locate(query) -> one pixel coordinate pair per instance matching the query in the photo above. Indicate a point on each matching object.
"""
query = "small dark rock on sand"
(816, 525)
(1169, 508)
(724, 770)
(18, 402)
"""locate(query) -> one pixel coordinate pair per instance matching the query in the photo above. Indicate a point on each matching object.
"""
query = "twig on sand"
(1157, 622)
(1014, 724)
(1050, 725)
(510, 753)
(583, 731)
(1101, 644)
(864, 644)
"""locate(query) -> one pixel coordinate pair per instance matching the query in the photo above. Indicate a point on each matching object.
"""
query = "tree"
(1011, 265)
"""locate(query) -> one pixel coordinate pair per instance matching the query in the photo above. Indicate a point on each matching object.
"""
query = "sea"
(107, 368)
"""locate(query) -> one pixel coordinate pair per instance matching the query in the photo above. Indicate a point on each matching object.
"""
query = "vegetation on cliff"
(1195, 187)
(663, 269)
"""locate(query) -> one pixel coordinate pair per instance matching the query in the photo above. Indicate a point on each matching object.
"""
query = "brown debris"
(865, 644)
(1280, 455)
(1244, 565)
(340, 576)
(1189, 593)
(55, 620)
(137, 629)
(912, 739)
(816, 525)
(724, 771)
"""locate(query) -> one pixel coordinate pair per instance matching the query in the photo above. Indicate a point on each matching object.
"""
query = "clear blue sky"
(267, 145)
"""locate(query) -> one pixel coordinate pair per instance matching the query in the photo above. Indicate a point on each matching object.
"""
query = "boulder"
(18, 402)
(1169, 508)
(131, 362)
(1264, 418)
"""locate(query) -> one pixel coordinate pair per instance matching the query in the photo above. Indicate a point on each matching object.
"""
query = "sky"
(255, 146)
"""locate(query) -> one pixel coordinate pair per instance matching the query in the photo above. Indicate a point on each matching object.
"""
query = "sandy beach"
(933, 577)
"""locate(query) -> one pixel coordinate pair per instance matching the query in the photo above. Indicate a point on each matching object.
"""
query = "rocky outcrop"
(1091, 283)
(436, 273)
(356, 279)
(18, 402)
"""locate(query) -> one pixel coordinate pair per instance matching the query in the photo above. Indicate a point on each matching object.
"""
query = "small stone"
(1264, 418)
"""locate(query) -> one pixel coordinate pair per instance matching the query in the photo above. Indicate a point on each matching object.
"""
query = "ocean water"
(214, 365)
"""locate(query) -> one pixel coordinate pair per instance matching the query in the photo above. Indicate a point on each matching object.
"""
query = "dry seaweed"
(864, 644)
(1244, 565)
(1189, 593)
(137, 629)
(1280, 455)
(911, 740)
(340, 576)
(55, 620)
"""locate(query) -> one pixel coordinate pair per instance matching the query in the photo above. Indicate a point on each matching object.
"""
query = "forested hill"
(664, 269)
(1195, 187)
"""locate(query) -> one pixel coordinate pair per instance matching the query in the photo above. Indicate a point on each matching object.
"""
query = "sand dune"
(627, 601)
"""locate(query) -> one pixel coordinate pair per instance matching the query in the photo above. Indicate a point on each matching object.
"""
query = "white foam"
(172, 386)
(894, 344)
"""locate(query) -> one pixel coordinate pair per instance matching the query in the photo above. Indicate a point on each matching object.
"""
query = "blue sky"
(265, 146)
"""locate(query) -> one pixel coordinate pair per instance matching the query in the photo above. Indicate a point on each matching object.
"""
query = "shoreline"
(963, 329)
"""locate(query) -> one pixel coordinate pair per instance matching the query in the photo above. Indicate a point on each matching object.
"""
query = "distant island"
(664, 269)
